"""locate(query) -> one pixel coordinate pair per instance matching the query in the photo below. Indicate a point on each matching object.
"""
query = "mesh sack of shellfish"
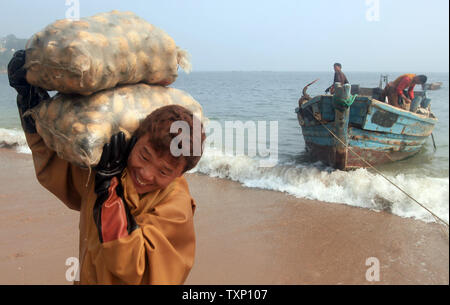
(77, 126)
(100, 52)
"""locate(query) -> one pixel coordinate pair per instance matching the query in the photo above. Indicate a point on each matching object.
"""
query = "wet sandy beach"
(244, 236)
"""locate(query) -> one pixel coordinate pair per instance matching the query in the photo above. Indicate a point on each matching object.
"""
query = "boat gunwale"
(377, 104)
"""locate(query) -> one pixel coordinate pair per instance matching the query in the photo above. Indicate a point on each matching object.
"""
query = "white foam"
(360, 188)
(13, 138)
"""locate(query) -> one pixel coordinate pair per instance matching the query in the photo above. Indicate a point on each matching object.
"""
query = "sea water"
(272, 97)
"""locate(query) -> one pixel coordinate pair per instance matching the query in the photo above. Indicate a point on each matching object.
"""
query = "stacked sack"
(110, 71)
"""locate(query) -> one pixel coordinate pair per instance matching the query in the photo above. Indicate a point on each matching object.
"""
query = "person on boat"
(136, 215)
(339, 77)
(400, 92)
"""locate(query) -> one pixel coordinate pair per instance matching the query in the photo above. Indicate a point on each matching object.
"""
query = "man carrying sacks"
(110, 71)
(136, 216)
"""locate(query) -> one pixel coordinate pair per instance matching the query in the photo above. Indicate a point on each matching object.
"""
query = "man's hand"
(17, 73)
(28, 96)
(115, 155)
(111, 212)
(405, 99)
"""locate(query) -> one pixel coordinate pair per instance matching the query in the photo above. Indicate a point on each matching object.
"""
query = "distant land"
(8, 45)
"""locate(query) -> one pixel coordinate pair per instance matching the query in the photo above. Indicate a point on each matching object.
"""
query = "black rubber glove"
(111, 212)
(115, 155)
(27, 96)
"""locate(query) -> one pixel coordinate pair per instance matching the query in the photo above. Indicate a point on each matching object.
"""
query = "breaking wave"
(14, 139)
(360, 188)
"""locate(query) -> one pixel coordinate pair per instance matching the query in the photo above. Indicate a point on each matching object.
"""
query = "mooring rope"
(437, 218)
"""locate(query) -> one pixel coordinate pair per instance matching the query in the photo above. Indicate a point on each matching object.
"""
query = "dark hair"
(157, 125)
(337, 64)
(422, 79)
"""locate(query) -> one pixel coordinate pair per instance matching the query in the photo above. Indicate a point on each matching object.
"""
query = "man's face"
(416, 80)
(148, 171)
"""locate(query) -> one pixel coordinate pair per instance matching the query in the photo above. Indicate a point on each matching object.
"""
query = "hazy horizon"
(402, 36)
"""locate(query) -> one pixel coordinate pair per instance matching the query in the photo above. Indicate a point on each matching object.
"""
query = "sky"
(410, 36)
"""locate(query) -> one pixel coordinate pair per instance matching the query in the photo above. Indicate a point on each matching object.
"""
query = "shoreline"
(244, 236)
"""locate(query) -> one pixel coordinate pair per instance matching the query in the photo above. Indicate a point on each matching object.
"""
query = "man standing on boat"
(396, 91)
(339, 77)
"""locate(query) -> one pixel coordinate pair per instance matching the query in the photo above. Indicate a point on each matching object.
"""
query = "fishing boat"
(433, 86)
(353, 129)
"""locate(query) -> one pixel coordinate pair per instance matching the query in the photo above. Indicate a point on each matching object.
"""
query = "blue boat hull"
(374, 133)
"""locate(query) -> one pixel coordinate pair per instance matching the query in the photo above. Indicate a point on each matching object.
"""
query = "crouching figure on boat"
(396, 91)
